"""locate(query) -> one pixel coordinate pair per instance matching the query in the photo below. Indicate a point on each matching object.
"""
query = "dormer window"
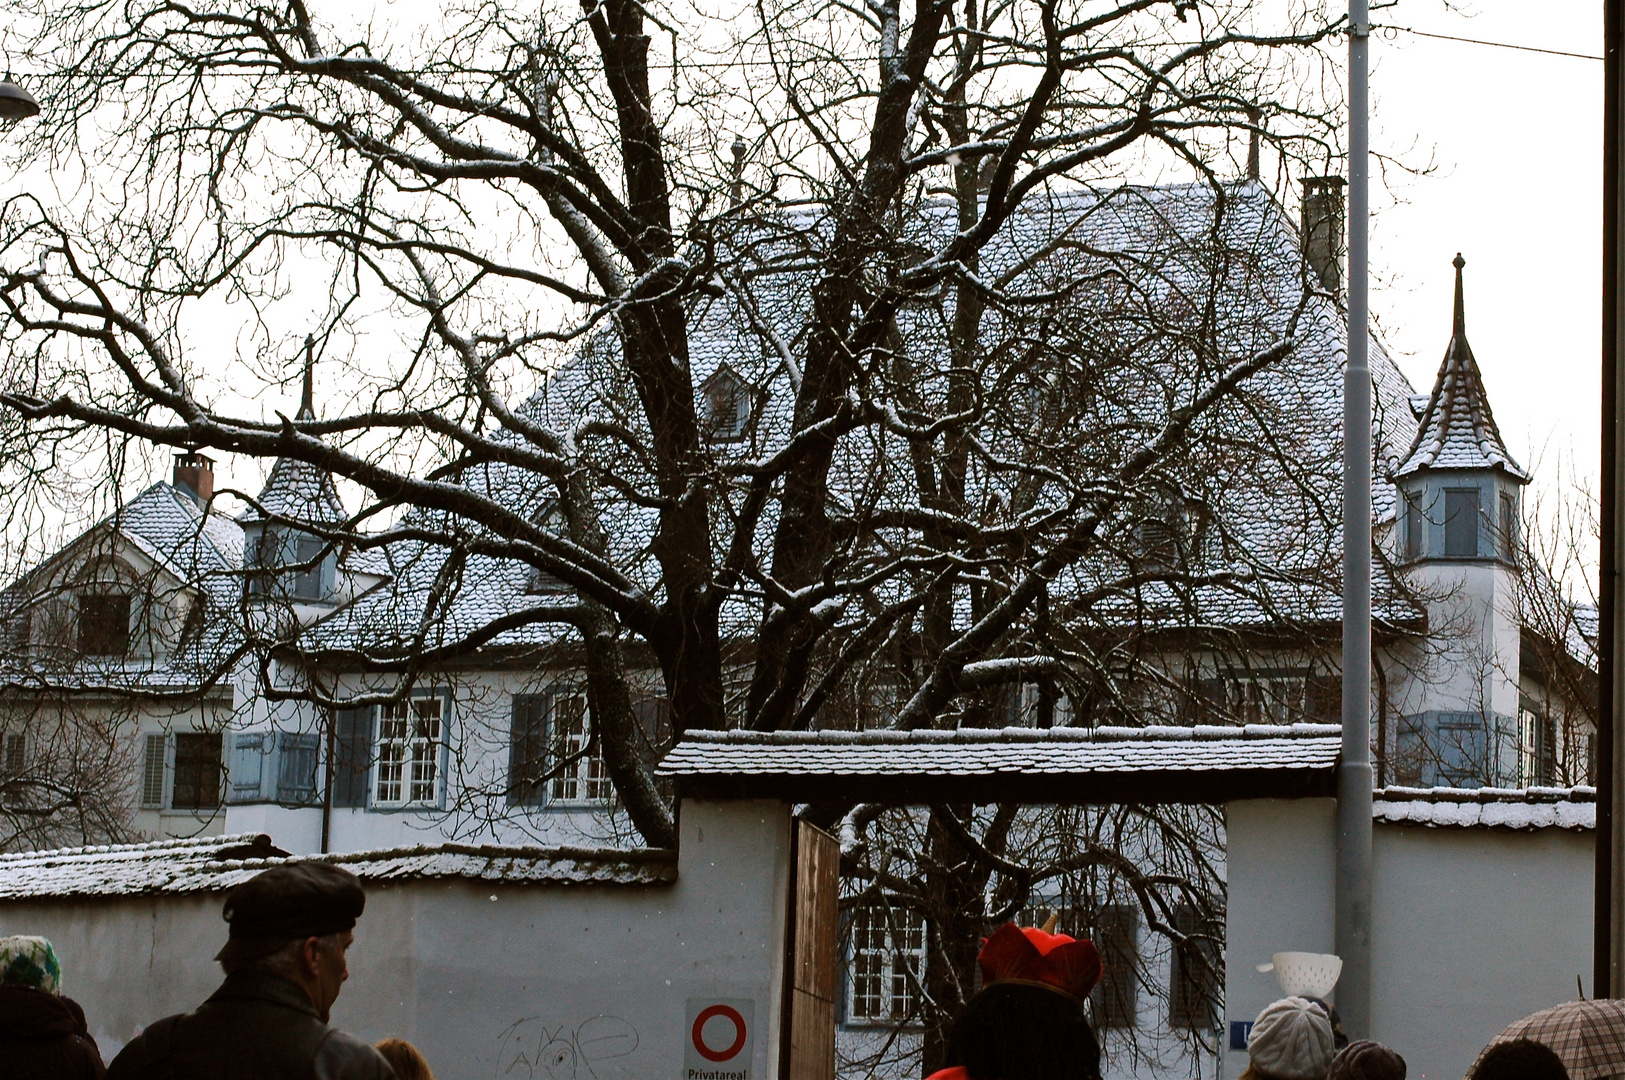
(291, 565)
(727, 400)
(550, 518)
(104, 624)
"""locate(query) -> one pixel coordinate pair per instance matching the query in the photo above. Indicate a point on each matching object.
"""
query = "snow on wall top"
(1458, 430)
(978, 751)
(216, 863)
(1521, 809)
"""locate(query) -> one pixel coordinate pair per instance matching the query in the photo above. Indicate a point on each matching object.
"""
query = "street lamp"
(15, 102)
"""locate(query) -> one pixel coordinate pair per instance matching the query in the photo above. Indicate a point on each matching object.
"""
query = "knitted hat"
(30, 961)
(1291, 1040)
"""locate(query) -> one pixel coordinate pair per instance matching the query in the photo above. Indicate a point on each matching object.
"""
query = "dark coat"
(43, 1036)
(257, 1026)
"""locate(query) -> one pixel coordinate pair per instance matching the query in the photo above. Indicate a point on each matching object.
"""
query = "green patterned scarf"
(30, 961)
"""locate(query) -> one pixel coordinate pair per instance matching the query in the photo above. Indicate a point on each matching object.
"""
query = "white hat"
(1292, 1040)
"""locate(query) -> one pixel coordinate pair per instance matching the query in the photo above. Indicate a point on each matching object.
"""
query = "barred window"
(887, 962)
(197, 771)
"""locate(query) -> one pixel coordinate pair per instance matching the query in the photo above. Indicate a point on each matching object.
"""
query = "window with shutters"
(1461, 523)
(886, 962)
(152, 771)
(408, 751)
(196, 785)
(527, 750)
(104, 624)
(1265, 698)
(1117, 936)
(1194, 973)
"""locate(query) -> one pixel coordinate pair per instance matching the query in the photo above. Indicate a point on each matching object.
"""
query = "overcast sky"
(1516, 138)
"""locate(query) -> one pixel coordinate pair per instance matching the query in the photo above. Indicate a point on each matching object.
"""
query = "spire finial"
(1460, 327)
(307, 397)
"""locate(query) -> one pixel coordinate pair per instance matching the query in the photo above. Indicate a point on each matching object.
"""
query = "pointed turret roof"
(298, 489)
(1458, 430)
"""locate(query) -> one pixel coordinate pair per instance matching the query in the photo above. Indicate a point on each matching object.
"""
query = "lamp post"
(15, 102)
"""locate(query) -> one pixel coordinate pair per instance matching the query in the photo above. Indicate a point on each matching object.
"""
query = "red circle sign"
(733, 1018)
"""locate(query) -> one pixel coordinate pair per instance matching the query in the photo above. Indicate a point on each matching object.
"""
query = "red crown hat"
(1028, 954)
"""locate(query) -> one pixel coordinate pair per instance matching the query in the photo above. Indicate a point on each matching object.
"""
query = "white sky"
(1517, 141)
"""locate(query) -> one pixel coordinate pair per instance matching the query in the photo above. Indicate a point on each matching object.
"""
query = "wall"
(1281, 879)
(1471, 930)
(489, 980)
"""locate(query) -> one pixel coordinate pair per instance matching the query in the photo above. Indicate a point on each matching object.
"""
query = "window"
(580, 761)
(1538, 762)
(248, 753)
(887, 961)
(152, 771)
(1415, 526)
(1509, 527)
(408, 755)
(306, 582)
(1266, 698)
(1193, 977)
(727, 406)
(1113, 1001)
(1461, 523)
(1442, 749)
(197, 771)
(104, 624)
(16, 753)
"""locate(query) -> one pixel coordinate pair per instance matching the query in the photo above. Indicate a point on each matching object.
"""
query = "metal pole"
(1354, 772)
(1607, 940)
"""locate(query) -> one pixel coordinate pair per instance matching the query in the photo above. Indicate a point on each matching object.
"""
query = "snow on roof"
(299, 491)
(1520, 809)
(979, 751)
(215, 863)
(1458, 429)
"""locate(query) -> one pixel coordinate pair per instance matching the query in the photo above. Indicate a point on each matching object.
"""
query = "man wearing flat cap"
(285, 964)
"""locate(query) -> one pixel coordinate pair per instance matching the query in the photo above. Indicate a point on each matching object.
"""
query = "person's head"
(30, 961)
(1519, 1059)
(296, 922)
(1367, 1060)
(1291, 1040)
(1024, 1031)
(405, 1059)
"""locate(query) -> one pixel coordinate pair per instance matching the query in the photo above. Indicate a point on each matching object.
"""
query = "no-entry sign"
(718, 1038)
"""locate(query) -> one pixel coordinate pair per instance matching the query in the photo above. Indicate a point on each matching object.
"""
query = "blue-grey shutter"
(247, 767)
(296, 769)
(352, 744)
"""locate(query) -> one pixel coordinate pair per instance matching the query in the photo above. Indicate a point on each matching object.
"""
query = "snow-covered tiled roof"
(214, 863)
(299, 491)
(1458, 429)
(1154, 764)
(1487, 808)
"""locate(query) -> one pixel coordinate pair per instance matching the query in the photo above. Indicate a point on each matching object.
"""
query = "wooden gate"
(807, 1050)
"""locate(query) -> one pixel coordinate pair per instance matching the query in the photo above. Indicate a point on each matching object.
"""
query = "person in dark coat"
(42, 1034)
(285, 964)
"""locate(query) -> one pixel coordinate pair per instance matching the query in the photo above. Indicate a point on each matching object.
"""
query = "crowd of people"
(285, 963)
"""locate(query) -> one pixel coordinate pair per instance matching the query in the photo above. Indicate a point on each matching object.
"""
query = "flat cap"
(288, 902)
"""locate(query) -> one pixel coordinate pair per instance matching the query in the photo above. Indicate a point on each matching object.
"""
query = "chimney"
(1322, 229)
(194, 474)
(737, 192)
(1255, 118)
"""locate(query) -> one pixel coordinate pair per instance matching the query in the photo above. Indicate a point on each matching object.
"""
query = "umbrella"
(1588, 1035)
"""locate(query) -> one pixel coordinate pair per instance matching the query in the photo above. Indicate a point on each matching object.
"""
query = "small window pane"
(1461, 523)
